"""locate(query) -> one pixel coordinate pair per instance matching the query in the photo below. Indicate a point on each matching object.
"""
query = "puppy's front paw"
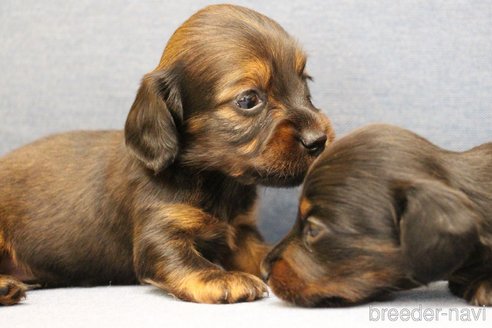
(220, 287)
(11, 290)
(480, 294)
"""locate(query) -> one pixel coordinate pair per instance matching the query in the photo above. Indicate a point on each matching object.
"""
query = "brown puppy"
(170, 201)
(383, 209)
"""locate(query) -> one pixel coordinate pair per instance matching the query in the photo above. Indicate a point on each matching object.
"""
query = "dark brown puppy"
(383, 209)
(170, 201)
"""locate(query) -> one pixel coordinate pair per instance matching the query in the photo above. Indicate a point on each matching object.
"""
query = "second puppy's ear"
(438, 228)
(152, 126)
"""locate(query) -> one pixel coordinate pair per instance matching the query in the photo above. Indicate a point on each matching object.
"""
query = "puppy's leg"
(481, 293)
(478, 292)
(11, 290)
(165, 255)
(250, 250)
(474, 287)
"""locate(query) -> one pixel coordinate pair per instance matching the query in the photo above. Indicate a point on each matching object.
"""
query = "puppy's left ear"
(152, 126)
(438, 228)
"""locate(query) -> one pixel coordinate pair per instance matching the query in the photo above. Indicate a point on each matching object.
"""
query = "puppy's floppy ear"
(152, 126)
(438, 228)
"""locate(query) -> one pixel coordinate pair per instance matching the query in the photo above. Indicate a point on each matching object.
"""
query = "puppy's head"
(230, 94)
(376, 214)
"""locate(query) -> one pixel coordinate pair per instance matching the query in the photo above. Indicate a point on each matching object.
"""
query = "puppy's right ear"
(438, 228)
(152, 126)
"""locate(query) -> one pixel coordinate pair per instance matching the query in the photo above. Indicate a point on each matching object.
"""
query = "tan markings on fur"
(378, 246)
(301, 277)
(195, 124)
(258, 72)
(279, 111)
(197, 222)
(254, 74)
(483, 294)
(248, 256)
(189, 218)
(10, 264)
(91, 185)
(250, 251)
(304, 207)
(284, 282)
(11, 290)
(354, 289)
(236, 171)
(282, 142)
(228, 94)
(250, 147)
(334, 289)
(290, 283)
(3, 245)
(224, 287)
(230, 114)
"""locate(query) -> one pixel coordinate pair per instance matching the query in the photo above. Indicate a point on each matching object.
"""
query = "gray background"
(424, 65)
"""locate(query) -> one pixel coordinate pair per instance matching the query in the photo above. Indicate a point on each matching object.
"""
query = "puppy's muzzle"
(266, 268)
(314, 141)
(269, 261)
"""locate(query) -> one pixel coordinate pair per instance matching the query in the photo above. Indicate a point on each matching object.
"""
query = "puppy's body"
(384, 209)
(59, 186)
(170, 201)
(40, 181)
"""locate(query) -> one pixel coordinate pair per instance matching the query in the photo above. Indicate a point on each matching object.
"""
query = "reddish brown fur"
(382, 210)
(170, 201)
(299, 279)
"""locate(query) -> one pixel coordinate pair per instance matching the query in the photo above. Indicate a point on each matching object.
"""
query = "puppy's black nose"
(266, 264)
(313, 141)
(265, 268)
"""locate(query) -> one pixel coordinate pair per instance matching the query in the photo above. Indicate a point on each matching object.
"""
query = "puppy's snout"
(265, 271)
(266, 264)
(313, 141)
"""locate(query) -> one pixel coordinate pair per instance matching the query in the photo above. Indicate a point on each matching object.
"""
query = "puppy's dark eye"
(314, 230)
(248, 100)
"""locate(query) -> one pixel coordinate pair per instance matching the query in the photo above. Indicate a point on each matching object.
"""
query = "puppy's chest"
(229, 210)
(228, 204)
(224, 200)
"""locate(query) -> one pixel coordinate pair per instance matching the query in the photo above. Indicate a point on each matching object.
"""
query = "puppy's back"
(63, 185)
(59, 155)
(61, 170)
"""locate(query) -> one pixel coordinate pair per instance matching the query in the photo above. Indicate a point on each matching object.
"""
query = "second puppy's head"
(230, 94)
(380, 210)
